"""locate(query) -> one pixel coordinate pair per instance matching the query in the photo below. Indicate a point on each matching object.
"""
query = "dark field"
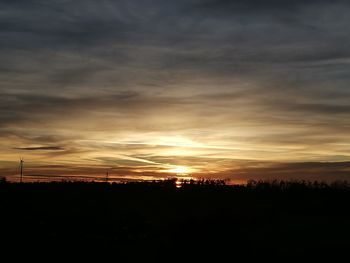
(160, 221)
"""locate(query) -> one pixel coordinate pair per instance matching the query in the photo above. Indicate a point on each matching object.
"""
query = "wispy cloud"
(171, 82)
(41, 148)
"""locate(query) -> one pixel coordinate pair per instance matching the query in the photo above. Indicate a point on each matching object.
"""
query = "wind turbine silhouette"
(21, 163)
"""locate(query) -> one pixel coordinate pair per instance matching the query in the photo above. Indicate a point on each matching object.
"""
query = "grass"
(159, 220)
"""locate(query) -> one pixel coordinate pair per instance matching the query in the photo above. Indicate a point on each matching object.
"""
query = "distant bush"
(203, 182)
(296, 185)
(3, 180)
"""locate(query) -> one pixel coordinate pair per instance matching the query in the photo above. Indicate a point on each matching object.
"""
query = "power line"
(21, 164)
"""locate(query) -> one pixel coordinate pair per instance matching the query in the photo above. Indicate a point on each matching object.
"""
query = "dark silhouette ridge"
(157, 220)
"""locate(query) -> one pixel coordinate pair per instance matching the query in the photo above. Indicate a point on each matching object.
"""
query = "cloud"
(41, 148)
(260, 80)
(308, 171)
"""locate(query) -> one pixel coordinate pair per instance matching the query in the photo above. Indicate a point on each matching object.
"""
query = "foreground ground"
(159, 220)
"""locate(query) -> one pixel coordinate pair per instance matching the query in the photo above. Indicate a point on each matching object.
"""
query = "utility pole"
(21, 162)
(107, 177)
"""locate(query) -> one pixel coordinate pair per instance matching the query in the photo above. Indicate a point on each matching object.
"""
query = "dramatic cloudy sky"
(231, 89)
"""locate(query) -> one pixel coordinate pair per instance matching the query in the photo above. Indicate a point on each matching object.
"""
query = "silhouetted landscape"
(104, 102)
(155, 220)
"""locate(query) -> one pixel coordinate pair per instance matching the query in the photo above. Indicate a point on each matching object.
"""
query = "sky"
(245, 89)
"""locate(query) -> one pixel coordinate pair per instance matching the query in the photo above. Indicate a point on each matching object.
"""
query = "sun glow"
(181, 170)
